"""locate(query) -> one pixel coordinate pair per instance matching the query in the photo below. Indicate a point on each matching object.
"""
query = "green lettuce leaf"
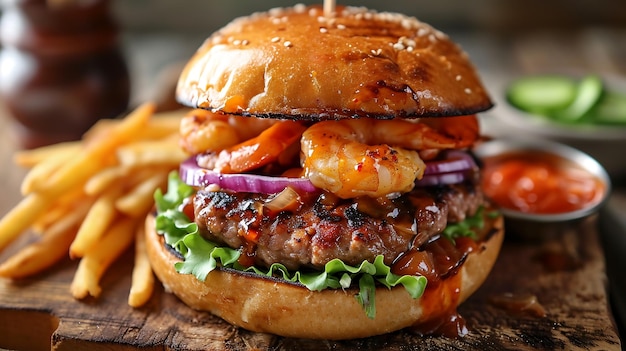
(201, 256)
(467, 227)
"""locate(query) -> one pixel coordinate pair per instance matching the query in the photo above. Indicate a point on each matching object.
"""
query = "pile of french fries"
(89, 199)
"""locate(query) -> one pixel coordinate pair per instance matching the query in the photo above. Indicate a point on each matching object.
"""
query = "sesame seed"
(313, 12)
(341, 26)
(323, 30)
(377, 52)
(352, 10)
(245, 42)
(441, 35)
(432, 38)
(276, 11)
(288, 44)
(275, 39)
(275, 20)
(406, 24)
(398, 46)
(422, 32)
(237, 42)
(468, 91)
(458, 78)
(409, 49)
(299, 8)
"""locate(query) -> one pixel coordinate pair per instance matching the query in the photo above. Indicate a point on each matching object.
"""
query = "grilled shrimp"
(259, 151)
(365, 157)
(203, 130)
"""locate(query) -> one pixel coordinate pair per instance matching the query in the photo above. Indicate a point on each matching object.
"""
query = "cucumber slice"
(589, 92)
(542, 94)
(611, 109)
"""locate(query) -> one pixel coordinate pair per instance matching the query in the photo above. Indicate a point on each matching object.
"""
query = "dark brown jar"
(61, 68)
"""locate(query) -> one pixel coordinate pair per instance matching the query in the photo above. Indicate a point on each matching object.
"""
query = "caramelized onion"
(286, 200)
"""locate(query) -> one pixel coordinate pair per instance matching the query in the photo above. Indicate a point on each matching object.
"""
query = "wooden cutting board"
(567, 275)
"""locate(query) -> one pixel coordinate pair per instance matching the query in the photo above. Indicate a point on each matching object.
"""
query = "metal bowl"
(542, 226)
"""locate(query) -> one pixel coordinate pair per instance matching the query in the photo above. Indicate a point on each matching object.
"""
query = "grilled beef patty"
(323, 227)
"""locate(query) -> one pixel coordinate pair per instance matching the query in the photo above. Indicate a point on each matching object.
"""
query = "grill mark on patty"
(354, 217)
(325, 228)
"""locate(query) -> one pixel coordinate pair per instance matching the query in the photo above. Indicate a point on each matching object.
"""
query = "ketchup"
(539, 183)
(61, 68)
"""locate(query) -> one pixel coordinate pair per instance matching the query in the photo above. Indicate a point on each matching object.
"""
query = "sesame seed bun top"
(297, 63)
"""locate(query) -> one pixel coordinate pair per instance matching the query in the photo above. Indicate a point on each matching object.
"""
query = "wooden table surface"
(39, 312)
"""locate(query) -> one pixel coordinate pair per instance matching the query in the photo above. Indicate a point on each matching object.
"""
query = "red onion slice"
(452, 169)
(195, 175)
(454, 161)
(441, 179)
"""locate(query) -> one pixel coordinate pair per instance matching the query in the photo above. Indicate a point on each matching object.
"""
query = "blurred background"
(198, 15)
(487, 29)
(502, 37)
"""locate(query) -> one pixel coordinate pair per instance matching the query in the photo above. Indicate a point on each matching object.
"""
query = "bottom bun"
(269, 305)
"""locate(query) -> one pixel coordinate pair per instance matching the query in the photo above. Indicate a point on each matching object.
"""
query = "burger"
(331, 191)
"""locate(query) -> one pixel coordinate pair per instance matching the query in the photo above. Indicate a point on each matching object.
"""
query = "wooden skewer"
(329, 8)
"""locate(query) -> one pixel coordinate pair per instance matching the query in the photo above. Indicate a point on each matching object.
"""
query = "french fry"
(142, 281)
(45, 252)
(29, 158)
(162, 125)
(41, 171)
(140, 199)
(92, 266)
(19, 218)
(104, 179)
(101, 127)
(85, 165)
(88, 198)
(100, 216)
(151, 152)
(60, 207)
(119, 174)
(72, 218)
(38, 256)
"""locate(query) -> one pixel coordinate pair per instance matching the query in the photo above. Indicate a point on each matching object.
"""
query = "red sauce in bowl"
(540, 183)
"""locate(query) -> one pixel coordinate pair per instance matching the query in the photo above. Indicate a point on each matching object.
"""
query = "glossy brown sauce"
(248, 253)
(436, 260)
(519, 304)
(439, 261)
